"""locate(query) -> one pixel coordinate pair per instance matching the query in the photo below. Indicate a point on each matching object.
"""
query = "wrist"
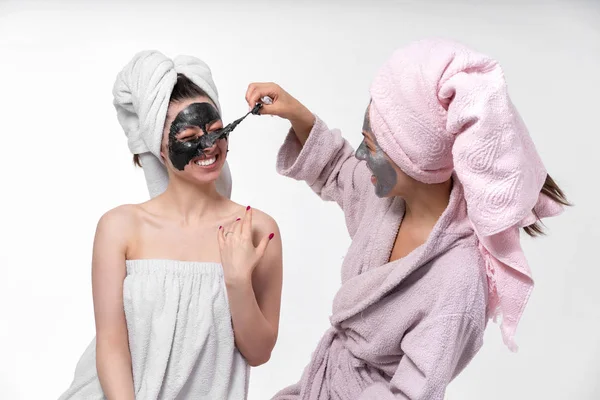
(303, 117)
(238, 281)
(302, 123)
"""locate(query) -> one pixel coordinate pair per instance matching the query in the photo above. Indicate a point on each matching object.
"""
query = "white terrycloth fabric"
(141, 96)
(180, 336)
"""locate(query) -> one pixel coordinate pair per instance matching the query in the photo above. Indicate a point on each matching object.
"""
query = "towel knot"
(439, 108)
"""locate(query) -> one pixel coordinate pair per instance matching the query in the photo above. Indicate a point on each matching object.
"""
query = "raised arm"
(315, 154)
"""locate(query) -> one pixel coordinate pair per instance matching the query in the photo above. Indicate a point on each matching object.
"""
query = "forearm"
(113, 362)
(255, 337)
(326, 162)
(302, 124)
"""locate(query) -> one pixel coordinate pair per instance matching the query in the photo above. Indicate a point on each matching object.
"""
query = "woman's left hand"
(239, 257)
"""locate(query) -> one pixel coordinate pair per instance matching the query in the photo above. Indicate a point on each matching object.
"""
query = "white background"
(65, 162)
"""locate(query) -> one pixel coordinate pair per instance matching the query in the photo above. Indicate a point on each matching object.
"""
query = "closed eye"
(186, 138)
(189, 133)
(368, 143)
(214, 126)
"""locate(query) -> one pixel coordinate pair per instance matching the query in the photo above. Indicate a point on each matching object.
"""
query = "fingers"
(236, 227)
(262, 246)
(247, 224)
(227, 230)
(221, 237)
(256, 91)
(240, 227)
(232, 228)
(251, 96)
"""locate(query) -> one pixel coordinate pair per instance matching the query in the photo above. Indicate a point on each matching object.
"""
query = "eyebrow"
(201, 128)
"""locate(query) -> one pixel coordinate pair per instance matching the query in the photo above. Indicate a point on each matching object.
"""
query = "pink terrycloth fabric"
(401, 329)
(439, 107)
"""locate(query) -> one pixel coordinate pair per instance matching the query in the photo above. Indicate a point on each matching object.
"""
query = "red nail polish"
(238, 219)
(271, 236)
(247, 208)
(220, 227)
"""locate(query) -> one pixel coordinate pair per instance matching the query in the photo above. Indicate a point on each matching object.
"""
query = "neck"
(190, 201)
(426, 203)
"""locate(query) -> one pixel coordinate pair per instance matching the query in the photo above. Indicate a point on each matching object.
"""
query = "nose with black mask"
(385, 176)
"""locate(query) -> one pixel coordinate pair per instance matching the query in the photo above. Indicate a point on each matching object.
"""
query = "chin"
(383, 194)
(382, 190)
(205, 170)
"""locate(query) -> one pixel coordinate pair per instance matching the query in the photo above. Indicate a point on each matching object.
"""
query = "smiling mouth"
(205, 161)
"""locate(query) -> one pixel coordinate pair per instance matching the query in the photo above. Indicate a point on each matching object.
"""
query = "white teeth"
(206, 163)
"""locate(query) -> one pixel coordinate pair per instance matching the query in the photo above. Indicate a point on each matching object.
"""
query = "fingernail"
(271, 236)
(247, 208)
(220, 227)
(238, 219)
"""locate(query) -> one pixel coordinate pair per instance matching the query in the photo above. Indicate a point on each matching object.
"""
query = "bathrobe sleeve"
(435, 351)
(327, 163)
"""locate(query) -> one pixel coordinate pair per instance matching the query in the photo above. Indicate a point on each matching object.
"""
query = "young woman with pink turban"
(435, 247)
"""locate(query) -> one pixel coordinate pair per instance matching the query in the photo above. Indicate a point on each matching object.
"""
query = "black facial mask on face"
(198, 115)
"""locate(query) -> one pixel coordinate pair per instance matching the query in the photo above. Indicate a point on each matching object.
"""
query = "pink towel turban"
(440, 108)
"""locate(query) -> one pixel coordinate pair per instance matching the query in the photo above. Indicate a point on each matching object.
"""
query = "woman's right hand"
(284, 105)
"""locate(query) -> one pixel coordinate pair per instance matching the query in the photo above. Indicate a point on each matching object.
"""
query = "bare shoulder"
(119, 217)
(269, 270)
(118, 223)
(264, 223)
(261, 221)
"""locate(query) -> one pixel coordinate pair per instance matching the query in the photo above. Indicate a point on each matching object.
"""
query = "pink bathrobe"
(401, 329)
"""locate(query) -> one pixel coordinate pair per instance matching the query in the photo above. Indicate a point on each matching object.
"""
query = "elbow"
(262, 356)
(259, 352)
(259, 359)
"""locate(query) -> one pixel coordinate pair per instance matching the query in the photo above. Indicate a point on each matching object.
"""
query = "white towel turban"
(141, 96)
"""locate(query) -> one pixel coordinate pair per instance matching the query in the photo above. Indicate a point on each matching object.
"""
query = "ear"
(164, 153)
(164, 146)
